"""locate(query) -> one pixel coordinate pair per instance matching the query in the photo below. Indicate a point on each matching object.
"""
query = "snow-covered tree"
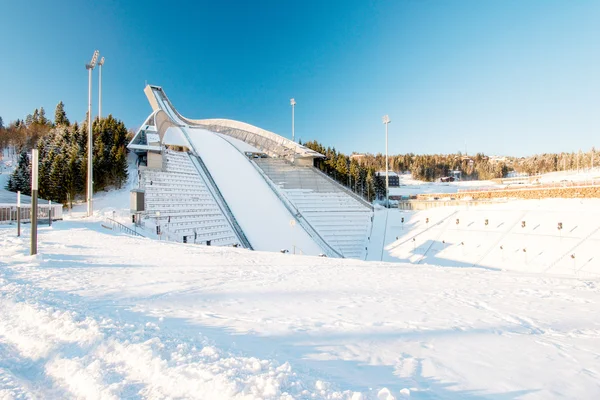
(20, 180)
(60, 116)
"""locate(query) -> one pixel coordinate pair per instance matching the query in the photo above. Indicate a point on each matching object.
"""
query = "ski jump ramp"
(225, 150)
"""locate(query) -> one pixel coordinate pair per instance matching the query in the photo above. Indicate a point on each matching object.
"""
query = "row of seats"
(341, 220)
(187, 207)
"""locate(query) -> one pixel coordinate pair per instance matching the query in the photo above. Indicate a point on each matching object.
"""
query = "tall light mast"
(90, 67)
(100, 64)
(386, 121)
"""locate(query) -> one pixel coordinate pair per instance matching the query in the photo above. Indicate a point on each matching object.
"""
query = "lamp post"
(100, 64)
(386, 121)
(90, 67)
(293, 103)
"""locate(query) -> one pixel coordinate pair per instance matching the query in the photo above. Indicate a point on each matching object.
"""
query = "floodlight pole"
(34, 200)
(100, 64)
(90, 188)
(293, 103)
(386, 121)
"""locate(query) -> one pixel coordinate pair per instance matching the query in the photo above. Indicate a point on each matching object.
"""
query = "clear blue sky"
(508, 77)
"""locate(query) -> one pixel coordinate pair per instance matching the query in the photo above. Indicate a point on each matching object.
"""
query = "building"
(394, 179)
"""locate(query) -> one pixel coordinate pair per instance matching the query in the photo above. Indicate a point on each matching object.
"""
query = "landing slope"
(261, 214)
(97, 315)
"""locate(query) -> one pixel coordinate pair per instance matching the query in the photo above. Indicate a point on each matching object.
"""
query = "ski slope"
(263, 217)
(98, 315)
(261, 214)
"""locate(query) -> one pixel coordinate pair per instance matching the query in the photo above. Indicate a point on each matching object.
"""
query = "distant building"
(357, 157)
(498, 159)
(456, 174)
(394, 179)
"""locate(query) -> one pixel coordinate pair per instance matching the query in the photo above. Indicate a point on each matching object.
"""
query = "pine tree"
(60, 116)
(1, 123)
(36, 116)
(370, 183)
(42, 117)
(20, 180)
(57, 172)
(379, 183)
(355, 173)
(74, 181)
(121, 167)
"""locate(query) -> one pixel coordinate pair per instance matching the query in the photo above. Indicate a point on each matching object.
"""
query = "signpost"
(18, 213)
(292, 225)
(34, 200)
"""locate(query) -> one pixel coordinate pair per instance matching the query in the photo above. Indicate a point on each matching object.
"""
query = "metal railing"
(199, 164)
(123, 228)
(312, 232)
(345, 189)
(214, 189)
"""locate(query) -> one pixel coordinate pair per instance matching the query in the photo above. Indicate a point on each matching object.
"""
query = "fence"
(8, 213)
(552, 185)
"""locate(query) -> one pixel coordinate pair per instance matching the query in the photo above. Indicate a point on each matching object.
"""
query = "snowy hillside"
(459, 237)
(409, 186)
(97, 315)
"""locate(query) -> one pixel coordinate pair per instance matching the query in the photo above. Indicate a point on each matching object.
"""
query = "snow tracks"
(54, 345)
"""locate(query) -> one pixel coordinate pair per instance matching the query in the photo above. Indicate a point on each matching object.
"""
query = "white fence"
(8, 212)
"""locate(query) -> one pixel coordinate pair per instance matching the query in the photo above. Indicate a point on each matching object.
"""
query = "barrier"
(8, 213)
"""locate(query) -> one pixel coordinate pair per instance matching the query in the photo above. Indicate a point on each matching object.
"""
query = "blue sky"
(507, 77)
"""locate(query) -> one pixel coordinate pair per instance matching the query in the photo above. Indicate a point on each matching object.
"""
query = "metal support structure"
(100, 64)
(293, 104)
(90, 188)
(386, 121)
(49, 212)
(34, 200)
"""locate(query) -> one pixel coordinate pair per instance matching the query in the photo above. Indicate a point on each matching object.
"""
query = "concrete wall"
(428, 204)
(155, 160)
(531, 193)
(305, 162)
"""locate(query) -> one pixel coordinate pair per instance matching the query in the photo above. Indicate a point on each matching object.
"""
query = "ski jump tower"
(243, 185)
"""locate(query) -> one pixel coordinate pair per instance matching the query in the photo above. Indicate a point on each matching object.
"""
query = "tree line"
(62, 150)
(359, 172)
(552, 162)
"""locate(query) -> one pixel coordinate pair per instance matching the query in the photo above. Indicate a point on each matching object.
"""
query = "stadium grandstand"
(229, 183)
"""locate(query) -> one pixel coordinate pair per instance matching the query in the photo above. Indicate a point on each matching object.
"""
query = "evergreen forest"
(62, 150)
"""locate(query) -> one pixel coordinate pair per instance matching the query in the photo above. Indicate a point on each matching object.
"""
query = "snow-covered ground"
(97, 315)
(409, 186)
(573, 176)
(434, 237)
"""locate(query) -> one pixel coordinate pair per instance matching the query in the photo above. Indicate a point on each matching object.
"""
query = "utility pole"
(90, 186)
